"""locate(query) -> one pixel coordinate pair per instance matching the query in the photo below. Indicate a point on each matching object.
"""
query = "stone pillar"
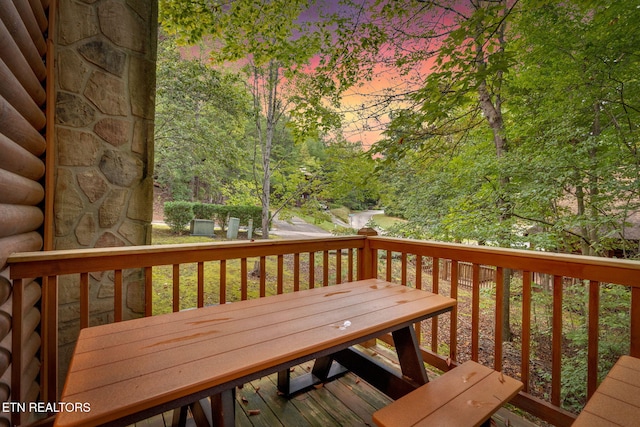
(105, 95)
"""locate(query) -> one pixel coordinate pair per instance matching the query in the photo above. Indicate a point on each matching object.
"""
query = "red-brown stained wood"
(467, 395)
(497, 350)
(634, 349)
(312, 270)
(117, 295)
(475, 312)
(84, 300)
(223, 282)
(176, 287)
(338, 267)
(617, 400)
(526, 329)
(593, 334)
(200, 296)
(453, 329)
(296, 272)
(556, 337)
(325, 268)
(243, 279)
(155, 359)
(280, 274)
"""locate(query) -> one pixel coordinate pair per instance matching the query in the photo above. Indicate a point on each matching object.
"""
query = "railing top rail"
(38, 264)
(619, 271)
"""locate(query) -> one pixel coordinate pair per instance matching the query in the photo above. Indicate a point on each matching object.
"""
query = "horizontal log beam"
(16, 190)
(18, 219)
(15, 127)
(19, 161)
(20, 243)
(17, 63)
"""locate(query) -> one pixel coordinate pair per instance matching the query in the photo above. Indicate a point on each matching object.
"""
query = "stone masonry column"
(105, 95)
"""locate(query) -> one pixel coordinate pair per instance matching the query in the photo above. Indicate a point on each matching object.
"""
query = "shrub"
(177, 215)
(204, 211)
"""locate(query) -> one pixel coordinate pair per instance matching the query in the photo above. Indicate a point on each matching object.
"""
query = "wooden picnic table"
(129, 371)
(616, 401)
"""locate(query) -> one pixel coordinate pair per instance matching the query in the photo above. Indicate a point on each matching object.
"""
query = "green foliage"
(177, 215)
(204, 211)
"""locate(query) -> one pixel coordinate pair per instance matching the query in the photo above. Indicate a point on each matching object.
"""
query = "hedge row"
(178, 214)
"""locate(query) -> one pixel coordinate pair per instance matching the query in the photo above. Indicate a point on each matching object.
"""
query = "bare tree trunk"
(491, 106)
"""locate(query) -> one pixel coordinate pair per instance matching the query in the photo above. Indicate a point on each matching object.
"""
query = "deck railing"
(446, 341)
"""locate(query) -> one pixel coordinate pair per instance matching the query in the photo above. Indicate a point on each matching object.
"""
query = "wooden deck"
(346, 401)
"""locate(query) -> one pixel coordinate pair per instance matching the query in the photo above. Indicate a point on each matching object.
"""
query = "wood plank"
(155, 364)
(341, 413)
(255, 333)
(476, 404)
(250, 399)
(437, 393)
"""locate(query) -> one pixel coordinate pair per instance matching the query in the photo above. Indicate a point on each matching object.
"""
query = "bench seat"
(617, 400)
(465, 396)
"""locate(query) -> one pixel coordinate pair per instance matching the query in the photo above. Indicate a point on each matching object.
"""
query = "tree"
(272, 44)
(576, 104)
(200, 122)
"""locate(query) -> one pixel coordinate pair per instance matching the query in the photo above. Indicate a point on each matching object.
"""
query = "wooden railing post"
(634, 345)
(366, 256)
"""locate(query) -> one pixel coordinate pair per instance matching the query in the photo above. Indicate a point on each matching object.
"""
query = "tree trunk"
(491, 105)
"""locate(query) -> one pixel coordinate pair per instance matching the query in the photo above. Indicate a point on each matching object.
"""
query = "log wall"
(23, 77)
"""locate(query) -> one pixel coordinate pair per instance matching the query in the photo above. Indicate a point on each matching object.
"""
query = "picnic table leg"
(180, 416)
(408, 350)
(223, 408)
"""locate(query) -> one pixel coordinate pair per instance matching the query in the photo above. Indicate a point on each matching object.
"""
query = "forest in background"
(510, 123)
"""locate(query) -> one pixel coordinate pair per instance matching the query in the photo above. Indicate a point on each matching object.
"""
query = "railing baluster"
(526, 329)
(338, 266)
(263, 276)
(475, 311)
(556, 352)
(389, 265)
(223, 281)
(594, 330)
(435, 278)
(176, 287)
(403, 267)
(499, 317)
(16, 345)
(453, 329)
(243, 279)
(200, 284)
(279, 279)
(148, 291)
(117, 295)
(350, 265)
(325, 268)
(84, 300)
(634, 347)
(312, 270)
(296, 272)
(418, 285)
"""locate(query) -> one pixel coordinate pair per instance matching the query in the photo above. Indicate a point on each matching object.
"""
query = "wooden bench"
(465, 396)
(616, 401)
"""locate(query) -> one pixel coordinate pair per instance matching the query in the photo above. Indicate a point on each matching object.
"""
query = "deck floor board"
(345, 401)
